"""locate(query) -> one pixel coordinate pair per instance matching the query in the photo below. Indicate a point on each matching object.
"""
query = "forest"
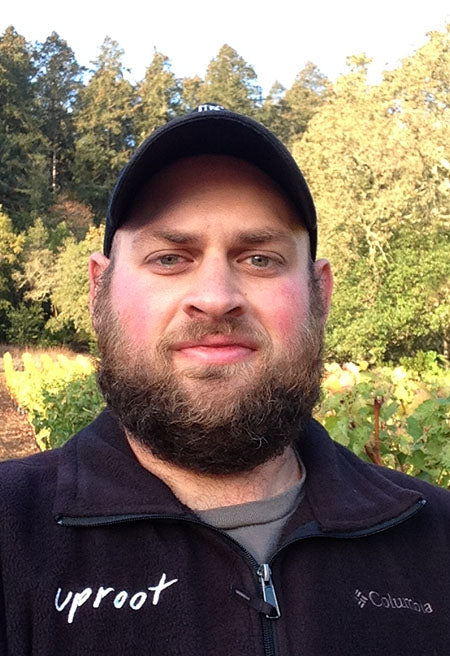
(376, 157)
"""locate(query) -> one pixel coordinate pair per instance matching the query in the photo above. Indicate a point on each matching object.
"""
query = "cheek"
(136, 307)
(287, 308)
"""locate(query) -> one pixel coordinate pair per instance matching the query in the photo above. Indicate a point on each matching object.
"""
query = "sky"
(277, 38)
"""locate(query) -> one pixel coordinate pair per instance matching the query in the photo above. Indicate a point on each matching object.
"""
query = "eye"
(267, 264)
(260, 261)
(170, 260)
(167, 263)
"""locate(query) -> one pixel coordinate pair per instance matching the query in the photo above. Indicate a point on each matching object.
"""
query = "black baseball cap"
(211, 129)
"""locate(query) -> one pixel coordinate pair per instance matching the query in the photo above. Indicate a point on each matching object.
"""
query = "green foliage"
(375, 156)
(190, 94)
(37, 260)
(59, 397)
(10, 249)
(56, 84)
(288, 113)
(68, 409)
(23, 187)
(405, 310)
(230, 81)
(27, 322)
(103, 129)
(158, 97)
(76, 216)
(311, 89)
(70, 285)
(54, 274)
(273, 112)
(375, 160)
(429, 363)
(391, 416)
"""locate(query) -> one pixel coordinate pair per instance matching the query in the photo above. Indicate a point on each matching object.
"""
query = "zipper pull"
(268, 591)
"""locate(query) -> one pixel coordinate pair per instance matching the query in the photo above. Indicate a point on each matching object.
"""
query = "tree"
(11, 246)
(191, 89)
(310, 90)
(287, 113)
(57, 82)
(70, 285)
(158, 97)
(53, 282)
(230, 81)
(273, 112)
(341, 154)
(103, 129)
(75, 215)
(375, 160)
(410, 310)
(40, 249)
(22, 144)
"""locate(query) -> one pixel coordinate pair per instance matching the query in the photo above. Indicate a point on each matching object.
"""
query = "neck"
(204, 491)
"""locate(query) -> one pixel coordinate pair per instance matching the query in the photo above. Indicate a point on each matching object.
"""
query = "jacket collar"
(99, 476)
(347, 494)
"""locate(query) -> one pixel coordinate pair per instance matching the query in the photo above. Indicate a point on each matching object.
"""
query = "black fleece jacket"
(97, 557)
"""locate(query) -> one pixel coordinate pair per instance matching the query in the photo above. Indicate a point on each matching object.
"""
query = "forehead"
(208, 186)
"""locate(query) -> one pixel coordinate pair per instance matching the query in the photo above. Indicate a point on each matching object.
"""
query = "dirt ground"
(17, 437)
(16, 434)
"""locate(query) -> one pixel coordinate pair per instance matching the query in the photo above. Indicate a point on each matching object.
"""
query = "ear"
(98, 263)
(323, 272)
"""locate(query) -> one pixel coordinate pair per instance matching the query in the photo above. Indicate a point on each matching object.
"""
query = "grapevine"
(390, 416)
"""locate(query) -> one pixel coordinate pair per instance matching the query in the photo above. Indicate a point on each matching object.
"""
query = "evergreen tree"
(191, 88)
(103, 126)
(273, 112)
(22, 144)
(57, 82)
(310, 90)
(11, 246)
(287, 113)
(158, 97)
(230, 81)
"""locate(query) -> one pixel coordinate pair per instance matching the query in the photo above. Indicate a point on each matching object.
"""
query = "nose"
(214, 292)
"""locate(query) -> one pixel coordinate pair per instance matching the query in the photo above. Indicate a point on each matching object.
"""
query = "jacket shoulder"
(429, 490)
(25, 478)
(437, 498)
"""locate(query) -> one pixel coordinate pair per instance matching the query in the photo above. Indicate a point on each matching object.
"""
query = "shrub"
(59, 397)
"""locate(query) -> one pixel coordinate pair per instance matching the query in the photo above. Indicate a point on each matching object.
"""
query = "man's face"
(206, 323)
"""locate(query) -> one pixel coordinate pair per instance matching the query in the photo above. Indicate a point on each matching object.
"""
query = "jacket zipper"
(269, 595)
(268, 590)
(263, 571)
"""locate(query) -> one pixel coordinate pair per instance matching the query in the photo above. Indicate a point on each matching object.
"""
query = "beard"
(216, 419)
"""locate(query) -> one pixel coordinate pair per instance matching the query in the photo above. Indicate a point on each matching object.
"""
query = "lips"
(218, 341)
(216, 349)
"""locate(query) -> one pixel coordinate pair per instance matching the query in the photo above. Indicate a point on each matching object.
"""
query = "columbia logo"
(389, 602)
(360, 598)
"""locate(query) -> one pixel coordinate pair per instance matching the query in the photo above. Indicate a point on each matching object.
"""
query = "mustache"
(197, 329)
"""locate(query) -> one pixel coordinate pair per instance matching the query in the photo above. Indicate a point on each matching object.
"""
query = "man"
(205, 512)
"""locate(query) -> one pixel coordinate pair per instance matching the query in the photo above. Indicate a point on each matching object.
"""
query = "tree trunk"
(54, 170)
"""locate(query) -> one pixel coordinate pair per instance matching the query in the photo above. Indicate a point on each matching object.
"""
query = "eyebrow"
(250, 237)
(164, 235)
(263, 236)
